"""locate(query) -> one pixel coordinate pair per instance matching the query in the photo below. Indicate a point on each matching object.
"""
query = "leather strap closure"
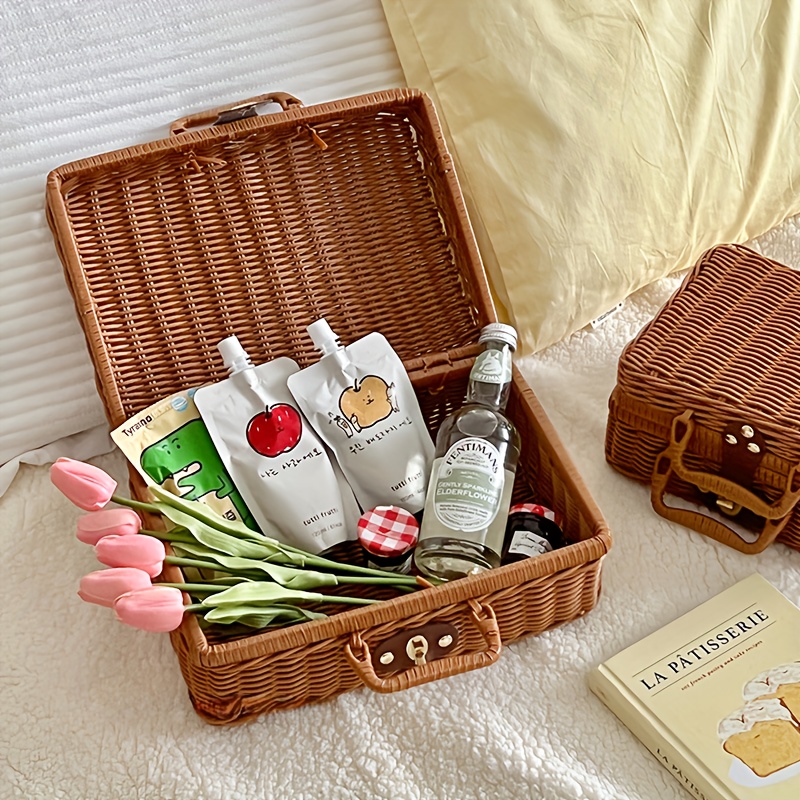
(670, 462)
(743, 447)
(360, 658)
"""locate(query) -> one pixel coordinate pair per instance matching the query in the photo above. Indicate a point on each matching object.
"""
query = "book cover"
(715, 695)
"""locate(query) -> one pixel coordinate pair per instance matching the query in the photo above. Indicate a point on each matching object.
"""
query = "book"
(715, 695)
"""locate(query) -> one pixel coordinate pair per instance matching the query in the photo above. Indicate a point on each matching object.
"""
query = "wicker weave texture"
(230, 680)
(727, 347)
(253, 228)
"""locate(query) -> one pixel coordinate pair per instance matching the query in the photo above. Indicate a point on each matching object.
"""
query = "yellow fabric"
(602, 144)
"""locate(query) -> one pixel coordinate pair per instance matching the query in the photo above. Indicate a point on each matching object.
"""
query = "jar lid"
(538, 510)
(387, 531)
(501, 332)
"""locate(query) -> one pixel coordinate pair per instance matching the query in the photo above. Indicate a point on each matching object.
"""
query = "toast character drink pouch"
(275, 458)
(169, 444)
(361, 402)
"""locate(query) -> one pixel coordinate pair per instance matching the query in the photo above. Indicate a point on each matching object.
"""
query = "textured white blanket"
(91, 709)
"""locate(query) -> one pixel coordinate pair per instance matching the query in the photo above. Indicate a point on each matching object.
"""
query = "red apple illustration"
(275, 430)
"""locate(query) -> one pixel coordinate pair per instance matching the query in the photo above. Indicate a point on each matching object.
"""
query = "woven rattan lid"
(347, 210)
(726, 345)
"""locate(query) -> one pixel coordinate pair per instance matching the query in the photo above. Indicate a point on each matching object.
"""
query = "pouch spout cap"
(234, 356)
(325, 340)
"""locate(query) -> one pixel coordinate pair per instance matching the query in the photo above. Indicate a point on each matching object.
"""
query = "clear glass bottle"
(477, 448)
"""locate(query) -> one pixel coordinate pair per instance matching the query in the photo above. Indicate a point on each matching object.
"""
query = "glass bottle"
(477, 448)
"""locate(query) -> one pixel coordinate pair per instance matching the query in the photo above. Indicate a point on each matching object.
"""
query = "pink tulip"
(106, 585)
(156, 608)
(108, 522)
(141, 552)
(87, 486)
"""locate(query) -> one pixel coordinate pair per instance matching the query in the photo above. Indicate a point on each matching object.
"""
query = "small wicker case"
(258, 225)
(707, 402)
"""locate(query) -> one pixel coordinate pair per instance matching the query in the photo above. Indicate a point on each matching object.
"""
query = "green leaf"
(225, 543)
(261, 616)
(260, 593)
(286, 576)
(206, 515)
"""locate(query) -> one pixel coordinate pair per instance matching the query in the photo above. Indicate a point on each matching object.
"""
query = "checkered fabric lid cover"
(387, 531)
(535, 508)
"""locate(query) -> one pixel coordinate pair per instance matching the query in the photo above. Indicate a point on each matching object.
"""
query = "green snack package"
(169, 444)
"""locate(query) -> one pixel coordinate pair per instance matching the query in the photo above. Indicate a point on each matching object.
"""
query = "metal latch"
(417, 649)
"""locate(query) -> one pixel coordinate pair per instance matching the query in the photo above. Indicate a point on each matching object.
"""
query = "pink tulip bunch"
(135, 559)
(265, 582)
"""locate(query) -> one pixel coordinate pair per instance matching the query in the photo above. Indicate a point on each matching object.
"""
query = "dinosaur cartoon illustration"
(187, 458)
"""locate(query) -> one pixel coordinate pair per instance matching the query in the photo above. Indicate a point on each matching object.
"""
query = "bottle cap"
(537, 510)
(387, 531)
(325, 340)
(234, 356)
(498, 331)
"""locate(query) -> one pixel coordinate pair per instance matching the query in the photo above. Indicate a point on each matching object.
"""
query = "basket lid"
(347, 210)
(726, 346)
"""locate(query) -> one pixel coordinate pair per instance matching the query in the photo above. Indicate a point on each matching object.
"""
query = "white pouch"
(279, 465)
(361, 402)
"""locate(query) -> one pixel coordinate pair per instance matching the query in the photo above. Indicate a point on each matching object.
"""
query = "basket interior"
(257, 231)
(439, 394)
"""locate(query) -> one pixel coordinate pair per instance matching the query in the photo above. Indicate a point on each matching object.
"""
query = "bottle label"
(469, 485)
(527, 543)
(492, 366)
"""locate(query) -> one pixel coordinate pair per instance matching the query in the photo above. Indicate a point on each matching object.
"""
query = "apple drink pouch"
(169, 444)
(275, 458)
(361, 402)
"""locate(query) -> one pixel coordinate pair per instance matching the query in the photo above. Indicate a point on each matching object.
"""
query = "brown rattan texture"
(253, 228)
(727, 347)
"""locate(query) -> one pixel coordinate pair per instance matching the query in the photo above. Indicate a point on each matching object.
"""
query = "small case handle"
(232, 112)
(670, 461)
(485, 620)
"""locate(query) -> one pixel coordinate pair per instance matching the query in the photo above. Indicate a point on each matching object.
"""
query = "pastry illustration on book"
(764, 735)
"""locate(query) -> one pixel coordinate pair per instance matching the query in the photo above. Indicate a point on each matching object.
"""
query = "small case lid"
(726, 346)
(253, 228)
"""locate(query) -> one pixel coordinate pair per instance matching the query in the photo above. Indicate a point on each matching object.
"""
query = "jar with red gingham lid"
(388, 535)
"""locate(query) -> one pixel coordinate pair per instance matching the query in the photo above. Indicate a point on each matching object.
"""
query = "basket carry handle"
(231, 112)
(485, 620)
(670, 461)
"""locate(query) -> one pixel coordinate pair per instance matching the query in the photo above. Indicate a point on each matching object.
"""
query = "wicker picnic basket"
(707, 402)
(257, 225)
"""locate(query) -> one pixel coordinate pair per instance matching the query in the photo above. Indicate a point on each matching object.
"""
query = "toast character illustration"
(367, 402)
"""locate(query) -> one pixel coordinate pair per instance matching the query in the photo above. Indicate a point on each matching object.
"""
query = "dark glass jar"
(531, 530)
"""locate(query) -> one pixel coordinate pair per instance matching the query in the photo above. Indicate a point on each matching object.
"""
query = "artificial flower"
(87, 486)
(155, 608)
(110, 521)
(104, 586)
(141, 552)
(243, 576)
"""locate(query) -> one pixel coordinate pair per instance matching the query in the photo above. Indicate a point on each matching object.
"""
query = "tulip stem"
(342, 566)
(354, 601)
(368, 579)
(193, 588)
(136, 504)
